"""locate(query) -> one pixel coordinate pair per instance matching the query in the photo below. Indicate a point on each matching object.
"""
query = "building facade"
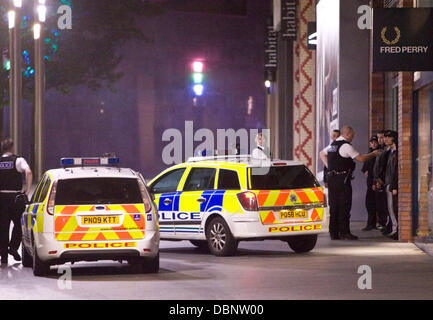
(347, 92)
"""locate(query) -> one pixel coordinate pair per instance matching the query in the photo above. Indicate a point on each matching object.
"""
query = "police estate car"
(90, 210)
(217, 201)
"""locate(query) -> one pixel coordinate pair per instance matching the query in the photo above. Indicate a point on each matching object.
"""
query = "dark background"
(155, 92)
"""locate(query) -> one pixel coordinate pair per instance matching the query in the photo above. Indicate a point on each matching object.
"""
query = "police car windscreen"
(282, 177)
(97, 191)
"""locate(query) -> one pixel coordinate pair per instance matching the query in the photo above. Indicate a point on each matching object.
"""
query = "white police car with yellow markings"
(215, 202)
(88, 210)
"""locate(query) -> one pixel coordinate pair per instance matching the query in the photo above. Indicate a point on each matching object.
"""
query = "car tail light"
(248, 200)
(325, 200)
(145, 196)
(51, 199)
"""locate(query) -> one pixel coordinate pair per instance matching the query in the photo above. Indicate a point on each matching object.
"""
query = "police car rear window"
(97, 191)
(282, 177)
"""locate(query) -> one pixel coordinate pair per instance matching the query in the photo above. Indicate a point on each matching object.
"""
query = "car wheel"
(220, 240)
(150, 265)
(27, 258)
(201, 244)
(303, 243)
(40, 268)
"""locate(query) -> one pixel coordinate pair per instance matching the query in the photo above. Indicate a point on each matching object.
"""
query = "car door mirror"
(151, 193)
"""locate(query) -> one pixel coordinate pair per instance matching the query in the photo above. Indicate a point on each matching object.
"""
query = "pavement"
(372, 268)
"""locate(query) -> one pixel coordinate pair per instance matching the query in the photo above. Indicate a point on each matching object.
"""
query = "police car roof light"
(81, 162)
(219, 158)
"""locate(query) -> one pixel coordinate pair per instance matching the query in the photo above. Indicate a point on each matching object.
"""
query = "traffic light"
(197, 77)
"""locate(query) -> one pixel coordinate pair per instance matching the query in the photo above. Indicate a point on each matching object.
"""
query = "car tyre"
(302, 243)
(40, 268)
(150, 265)
(27, 258)
(220, 239)
(200, 244)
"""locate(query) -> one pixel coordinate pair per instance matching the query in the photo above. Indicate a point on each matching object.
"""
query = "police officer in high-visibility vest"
(12, 168)
(339, 158)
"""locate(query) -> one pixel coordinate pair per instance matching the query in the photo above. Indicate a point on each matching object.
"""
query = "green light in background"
(7, 65)
(197, 77)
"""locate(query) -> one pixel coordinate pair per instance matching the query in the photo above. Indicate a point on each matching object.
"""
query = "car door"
(33, 215)
(198, 193)
(165, 190)
(26, 217)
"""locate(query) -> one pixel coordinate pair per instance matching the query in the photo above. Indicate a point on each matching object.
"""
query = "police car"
(215, 202)
(88, 210)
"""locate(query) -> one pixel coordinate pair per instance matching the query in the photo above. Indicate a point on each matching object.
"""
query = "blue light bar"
(89, 162)
(113, 161)
(66, 162)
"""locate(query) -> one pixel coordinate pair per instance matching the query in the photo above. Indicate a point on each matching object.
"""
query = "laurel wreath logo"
(396, 39)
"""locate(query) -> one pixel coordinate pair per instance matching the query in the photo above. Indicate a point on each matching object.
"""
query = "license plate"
(293, 214)
(86, 220)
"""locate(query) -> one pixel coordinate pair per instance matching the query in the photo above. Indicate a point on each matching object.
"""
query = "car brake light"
(279, 163)
(248, 200)
(144, 195)
(51, 199)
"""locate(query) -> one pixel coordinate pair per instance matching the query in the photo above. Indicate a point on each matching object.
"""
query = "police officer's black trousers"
(370, 204)
(340, 203)
(4, 235)
(10, 212)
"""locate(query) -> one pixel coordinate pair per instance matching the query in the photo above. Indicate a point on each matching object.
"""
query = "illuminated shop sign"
(288, 19)
(402, 39)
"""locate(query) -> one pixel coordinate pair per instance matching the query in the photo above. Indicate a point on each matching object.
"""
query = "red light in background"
(197, 66)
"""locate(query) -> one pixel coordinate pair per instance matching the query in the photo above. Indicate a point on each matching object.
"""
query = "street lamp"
(15, 73)
(39, 123)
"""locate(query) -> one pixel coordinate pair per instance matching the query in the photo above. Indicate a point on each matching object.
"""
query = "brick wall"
(304, 89)
(377, 89)
(405, 108)
(405, 103)
(377, 103)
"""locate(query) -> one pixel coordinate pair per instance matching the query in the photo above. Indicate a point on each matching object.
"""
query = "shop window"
(424, 3)
(424, 162)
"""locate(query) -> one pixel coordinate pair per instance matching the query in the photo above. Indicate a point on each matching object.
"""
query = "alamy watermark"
(365, 280)
(227, 142)
(365, 21)
(65, 280)
(65, 20)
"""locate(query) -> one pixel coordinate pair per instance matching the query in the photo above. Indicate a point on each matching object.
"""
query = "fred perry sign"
(403, 39)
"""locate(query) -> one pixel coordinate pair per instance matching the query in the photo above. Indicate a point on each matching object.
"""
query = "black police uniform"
(11, 185)
(340, 190)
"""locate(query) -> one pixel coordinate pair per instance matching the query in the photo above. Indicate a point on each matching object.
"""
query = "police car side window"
(44, 190)
(168, 182)
(200, 179)
(228, 180)
(38, 190)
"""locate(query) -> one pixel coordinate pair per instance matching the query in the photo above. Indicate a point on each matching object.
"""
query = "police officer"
(339, 159)
(260, 152)
(335, 134)
(12, 167)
